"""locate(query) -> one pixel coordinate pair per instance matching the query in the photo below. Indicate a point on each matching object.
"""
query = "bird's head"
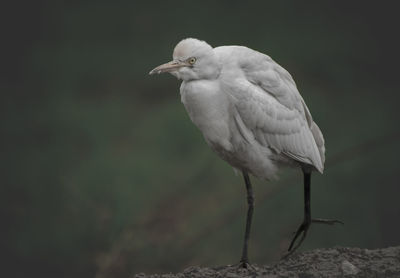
(192, 60)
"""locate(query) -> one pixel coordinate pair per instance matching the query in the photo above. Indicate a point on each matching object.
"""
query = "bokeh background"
(103, 174)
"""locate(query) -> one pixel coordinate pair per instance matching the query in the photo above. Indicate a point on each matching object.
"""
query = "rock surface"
(334, 262)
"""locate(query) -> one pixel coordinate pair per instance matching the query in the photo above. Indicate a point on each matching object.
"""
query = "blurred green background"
(104, 175)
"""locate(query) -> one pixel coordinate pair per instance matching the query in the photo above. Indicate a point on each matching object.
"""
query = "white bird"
(251, 114)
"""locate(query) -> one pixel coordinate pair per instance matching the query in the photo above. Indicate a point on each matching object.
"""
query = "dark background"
(103, 174)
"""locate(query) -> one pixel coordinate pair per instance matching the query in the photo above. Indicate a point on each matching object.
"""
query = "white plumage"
(252, 115)
(247, 107)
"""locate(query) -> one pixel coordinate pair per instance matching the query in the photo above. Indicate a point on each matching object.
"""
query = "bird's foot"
(326, 221)
(244, 264)
(303, 229)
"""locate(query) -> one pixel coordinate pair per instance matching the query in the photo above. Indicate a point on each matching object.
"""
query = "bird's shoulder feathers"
(270, 105)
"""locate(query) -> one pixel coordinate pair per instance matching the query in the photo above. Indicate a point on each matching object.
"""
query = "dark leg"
(307, 212)
(307, 215)
(250, 202)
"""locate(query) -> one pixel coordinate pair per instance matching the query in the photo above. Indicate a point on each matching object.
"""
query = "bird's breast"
(208, 108)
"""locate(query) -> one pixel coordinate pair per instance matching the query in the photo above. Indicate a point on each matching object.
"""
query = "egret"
(252, 115)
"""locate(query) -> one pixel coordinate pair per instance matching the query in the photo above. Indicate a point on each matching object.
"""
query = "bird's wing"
(271, 108)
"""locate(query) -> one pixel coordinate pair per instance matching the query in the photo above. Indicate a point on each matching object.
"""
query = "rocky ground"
(334, 262)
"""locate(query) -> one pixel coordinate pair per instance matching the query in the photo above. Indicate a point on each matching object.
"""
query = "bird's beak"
(168, 67)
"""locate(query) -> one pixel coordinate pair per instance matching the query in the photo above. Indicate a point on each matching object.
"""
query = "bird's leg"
(302, 230)
(244, 262)
(307, 214)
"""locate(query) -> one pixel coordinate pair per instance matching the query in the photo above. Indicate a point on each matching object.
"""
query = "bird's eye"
(192, 60)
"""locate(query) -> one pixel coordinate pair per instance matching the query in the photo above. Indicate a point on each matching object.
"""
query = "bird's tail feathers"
(319, 140)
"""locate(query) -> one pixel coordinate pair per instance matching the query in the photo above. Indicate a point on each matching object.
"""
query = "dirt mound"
(333, 262)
